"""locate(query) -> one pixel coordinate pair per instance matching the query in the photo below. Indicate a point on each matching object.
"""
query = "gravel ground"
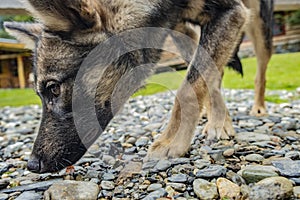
(262, 162)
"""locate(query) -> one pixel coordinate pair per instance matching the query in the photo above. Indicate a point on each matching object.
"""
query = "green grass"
(275, 99)
(283, 73)
(18, 97)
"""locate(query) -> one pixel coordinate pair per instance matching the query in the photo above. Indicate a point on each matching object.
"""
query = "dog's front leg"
(218, 40)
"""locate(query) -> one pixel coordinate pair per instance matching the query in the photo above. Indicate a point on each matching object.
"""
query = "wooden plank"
(287, 5)
(19, 46)
(21, 72)
(13, 56)
(12, 7)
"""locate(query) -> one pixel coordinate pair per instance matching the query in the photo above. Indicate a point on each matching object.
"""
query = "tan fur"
(254, 32)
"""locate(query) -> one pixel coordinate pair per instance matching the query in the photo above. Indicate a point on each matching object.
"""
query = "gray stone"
(252, 137)
(228, 152)
(288, 168)
(205, 190)
(156, 194)
(294, 155)
(200, 164)
(143, 141)
(25, 131)
(154, 187)
(297, 192)
(163, 165)
(4, 196)
(72, 190)
(108, 177)
(41, 186)
(14, 147)
(272, 188)
(254, 158)
(180, 187)
(253, 176)
(178, 178)
(180, 161)
(149, 164)
(29, 196)
(152, 127)
(211, 172)
(296, 180)
(107, 185)
(4, 183)
(92, 174)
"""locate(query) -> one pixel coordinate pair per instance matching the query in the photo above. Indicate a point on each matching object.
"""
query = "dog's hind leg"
(221, 28)
(260, 33)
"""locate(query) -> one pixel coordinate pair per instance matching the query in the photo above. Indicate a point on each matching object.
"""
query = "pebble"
(252, 137)
(272, 188)
(107, 185)
(154, 187)
(4, 183)
(228, 152)
(228, 189)
(72, 190)
(29, 196)
(205, 190)
(255, 173)
(180, 187)
(296, 191)
(4, 196)
(156, 194)
(211, 172)
(254, 158)
(163, 165)
(108, 177)
(200, 164)
(253, 176)
(178, 178)
(143, 141)
(40, 186)
(263, 148)
(288, 168)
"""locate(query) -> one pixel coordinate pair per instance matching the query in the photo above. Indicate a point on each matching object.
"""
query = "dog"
(68, 32)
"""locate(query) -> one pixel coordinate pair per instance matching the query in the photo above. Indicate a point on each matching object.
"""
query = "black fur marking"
(235, 62)
(266, 13)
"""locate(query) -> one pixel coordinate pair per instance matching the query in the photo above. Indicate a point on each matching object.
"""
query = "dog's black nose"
(34, 164)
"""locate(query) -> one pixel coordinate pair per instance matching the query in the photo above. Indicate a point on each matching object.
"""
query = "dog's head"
(65, 34)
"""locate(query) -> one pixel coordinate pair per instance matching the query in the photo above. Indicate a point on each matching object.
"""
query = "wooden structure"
(287, 5)
(15, 65)
(12, 7)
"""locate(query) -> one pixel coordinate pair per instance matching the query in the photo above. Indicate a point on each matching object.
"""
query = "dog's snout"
(34, 164)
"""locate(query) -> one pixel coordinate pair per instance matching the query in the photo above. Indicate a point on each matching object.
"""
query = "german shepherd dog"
(69, 30)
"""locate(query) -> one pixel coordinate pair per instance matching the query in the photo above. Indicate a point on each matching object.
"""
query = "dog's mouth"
(42, 165)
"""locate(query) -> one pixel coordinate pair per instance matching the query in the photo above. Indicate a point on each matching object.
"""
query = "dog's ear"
(67, 15)
(27, 33)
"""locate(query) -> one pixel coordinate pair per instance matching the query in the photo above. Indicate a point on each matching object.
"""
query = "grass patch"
(283, 74)
(275, 99)
(18, 97)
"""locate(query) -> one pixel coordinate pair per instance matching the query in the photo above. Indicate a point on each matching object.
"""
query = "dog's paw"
(258, 111)
(163, 149)
(215, 131)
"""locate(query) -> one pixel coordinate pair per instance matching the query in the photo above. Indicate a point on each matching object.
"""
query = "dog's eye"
(53, 88)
